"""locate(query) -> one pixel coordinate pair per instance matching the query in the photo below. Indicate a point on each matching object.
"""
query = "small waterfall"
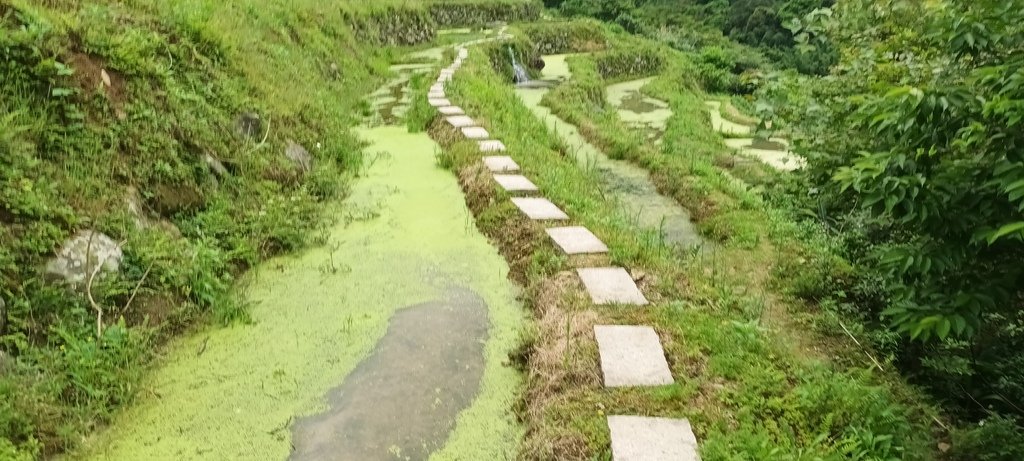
(519, 72)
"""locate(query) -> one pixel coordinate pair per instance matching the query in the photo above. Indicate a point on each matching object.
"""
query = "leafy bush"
(566, 37)
(997, 438)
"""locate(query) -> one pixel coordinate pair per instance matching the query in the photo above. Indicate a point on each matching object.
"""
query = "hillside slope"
(159, 149)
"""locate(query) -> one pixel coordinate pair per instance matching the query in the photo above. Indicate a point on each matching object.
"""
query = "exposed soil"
(92, 74)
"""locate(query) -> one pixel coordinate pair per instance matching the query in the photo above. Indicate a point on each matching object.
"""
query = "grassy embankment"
(755, 384)
(164, 124)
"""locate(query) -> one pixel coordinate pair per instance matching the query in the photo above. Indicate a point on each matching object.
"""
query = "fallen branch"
(862, 348)
(136, 290)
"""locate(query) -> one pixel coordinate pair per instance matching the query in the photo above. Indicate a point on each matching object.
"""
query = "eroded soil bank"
(404, 238)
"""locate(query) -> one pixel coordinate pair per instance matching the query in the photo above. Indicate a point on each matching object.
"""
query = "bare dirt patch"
(92, 75)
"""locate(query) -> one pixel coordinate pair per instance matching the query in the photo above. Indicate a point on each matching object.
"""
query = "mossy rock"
(171, 199)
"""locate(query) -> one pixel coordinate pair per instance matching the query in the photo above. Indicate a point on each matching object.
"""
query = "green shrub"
(448, 13)
(576, 36)
(997, 438)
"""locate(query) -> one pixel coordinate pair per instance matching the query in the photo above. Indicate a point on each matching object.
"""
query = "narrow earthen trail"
(630, 355)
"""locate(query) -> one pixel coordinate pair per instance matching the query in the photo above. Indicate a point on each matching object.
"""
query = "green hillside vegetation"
(866, 306)
(203, 136)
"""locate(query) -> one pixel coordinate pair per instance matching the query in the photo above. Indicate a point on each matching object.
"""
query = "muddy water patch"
(773, 152)
(234, 392)
(402, 401)
(391, 101)
(630, 185)
(639, 110)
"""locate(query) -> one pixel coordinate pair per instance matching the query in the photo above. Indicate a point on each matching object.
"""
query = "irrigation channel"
(385, 343)
(630, 185)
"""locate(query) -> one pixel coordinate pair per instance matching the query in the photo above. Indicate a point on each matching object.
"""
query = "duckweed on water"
(233, 393)
(637, 109)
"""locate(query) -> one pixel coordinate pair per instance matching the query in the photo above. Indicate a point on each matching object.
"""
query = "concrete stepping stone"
(438, 102)
(463, 53)
(475, 132)
(437, 87)
(492, 145)
(639, 438)
(539, 208)
(450, 110)
(611, 285)
(515, 183)
(436, 95)
(500, 163)
(444, 78)
(576, 240)
(631, 356)
(460, 121)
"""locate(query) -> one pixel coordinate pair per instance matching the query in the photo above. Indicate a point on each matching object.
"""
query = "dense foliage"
(925, 186)
(741, 26)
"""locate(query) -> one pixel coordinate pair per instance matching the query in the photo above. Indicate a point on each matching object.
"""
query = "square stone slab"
(475, 132)
(539, 208)
(450, 110)
(492, 145)
(460, 121)
(515, 182)
(438, 102)
(436, 94)
(577, 240)
(500, 163)
(638, 438)
(611, 285)
(463, 53)
(631, 356)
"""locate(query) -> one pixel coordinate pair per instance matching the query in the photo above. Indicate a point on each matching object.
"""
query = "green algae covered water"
(773, 152)
(638, 110)
(407, 240)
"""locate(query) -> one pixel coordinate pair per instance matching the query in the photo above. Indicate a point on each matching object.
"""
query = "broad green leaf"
(1006, 230)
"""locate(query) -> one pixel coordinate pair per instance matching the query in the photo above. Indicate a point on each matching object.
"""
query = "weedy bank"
(168, 146)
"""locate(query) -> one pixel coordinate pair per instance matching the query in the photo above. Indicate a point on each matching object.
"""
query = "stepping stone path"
(475, 132)
(630, 355)
(638, 438)
(450, 110)
(515, 183)
(539, 209)
(576, 240)
(611, 285)
(460, 121)
(500, 163)
(492, 145)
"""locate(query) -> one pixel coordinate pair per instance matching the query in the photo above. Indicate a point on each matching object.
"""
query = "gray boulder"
(249, 125)
(215, 165)
(85, 252)
(133, 201)
(299, 156)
